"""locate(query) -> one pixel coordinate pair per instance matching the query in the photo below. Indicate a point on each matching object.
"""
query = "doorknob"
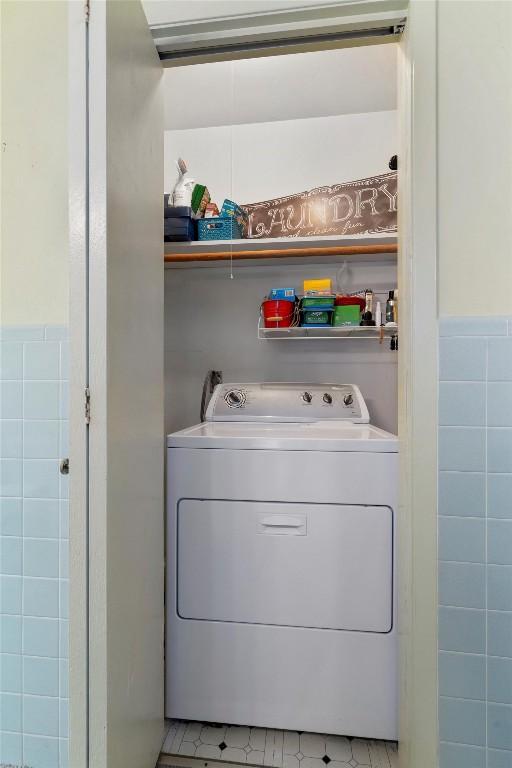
(64, 467)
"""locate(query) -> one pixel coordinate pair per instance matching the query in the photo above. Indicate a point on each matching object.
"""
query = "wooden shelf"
(353, 246)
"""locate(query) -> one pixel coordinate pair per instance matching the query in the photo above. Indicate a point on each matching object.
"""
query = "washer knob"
(348, 399)
(235, 398)
(307, 397)
(327, 398)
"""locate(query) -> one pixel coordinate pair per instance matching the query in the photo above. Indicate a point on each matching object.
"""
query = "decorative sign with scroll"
(367, 206)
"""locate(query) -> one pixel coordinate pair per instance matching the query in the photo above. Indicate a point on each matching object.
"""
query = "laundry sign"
(366, 206)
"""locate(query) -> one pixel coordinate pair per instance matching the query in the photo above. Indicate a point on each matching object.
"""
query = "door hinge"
(87, 10)
(87, 408)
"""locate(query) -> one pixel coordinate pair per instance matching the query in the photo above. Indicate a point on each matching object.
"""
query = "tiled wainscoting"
(275, 748)
(33, 547)
(475, 543)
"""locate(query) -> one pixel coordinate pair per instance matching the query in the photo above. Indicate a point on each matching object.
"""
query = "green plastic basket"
(349, 314)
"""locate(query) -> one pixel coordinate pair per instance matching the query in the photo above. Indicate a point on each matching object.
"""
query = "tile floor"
(274, 748)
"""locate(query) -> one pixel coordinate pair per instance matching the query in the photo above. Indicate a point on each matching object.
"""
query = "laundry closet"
(289, 545)
(255, 130)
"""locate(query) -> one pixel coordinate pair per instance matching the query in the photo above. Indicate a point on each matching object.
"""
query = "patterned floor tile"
(208, 750)
(312, 762)
(237, 736)
(312, 745)
(291, 743)
(361, 752)
(338, 748)
(193, 731)
(272, 748)
(277, 761)
(187, 748)
(268, 758)
(169, 737)
(213, 734)
(257, 739)
(378, 755)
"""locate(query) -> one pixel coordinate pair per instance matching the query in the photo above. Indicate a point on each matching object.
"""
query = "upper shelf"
(349, 246)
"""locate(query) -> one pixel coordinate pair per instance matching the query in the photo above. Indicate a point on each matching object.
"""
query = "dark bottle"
(390, 308)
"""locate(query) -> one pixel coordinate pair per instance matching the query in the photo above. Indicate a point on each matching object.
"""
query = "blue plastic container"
(285, 294)
(219, 228)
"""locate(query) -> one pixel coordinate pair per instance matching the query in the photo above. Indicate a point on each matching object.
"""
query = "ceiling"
(344, 81)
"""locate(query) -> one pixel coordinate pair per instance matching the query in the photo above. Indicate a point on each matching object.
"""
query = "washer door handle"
(283, 521)
(283, 524)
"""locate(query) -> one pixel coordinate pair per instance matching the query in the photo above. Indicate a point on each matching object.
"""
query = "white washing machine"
(281, 597)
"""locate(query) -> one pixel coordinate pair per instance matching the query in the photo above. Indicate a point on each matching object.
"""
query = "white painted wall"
(320, 83)
(258, 161)
(211, 322)
(34, 191)
(475, 157)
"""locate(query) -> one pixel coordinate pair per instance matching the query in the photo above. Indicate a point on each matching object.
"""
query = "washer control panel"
(282, 402)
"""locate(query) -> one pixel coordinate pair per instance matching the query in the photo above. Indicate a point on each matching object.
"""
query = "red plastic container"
(277, 313)
(343, 301)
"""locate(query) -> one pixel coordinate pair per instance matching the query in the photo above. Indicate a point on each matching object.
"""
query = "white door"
(116, 657)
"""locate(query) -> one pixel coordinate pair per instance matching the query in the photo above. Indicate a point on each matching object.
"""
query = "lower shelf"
(329, 332)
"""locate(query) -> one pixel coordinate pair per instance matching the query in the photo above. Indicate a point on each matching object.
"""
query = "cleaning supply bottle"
(378, 314)
(390, 309)
(367, 318)
(182, 192)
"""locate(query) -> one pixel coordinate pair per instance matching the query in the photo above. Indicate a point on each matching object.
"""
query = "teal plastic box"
(219, 228)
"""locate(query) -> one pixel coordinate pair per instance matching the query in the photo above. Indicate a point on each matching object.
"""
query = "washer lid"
(312, 436)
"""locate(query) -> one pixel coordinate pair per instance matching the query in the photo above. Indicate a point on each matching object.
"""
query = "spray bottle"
(182, 192)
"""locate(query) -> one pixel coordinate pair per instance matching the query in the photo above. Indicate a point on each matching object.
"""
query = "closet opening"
(282, 311)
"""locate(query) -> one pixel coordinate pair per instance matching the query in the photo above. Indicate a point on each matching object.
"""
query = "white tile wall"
(475, 542)
(33, 547)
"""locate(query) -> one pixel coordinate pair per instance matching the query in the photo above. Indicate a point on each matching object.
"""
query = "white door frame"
(417, 381)
(78, 429)
(417, 387)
